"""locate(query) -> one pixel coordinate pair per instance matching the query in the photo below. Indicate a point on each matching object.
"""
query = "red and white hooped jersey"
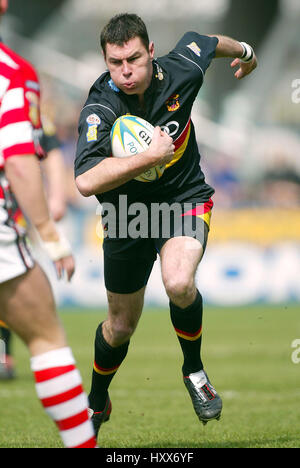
(20, 123)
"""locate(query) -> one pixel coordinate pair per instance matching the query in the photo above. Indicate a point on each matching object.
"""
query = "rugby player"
(26, 300)
(53, 168)
(162, 91)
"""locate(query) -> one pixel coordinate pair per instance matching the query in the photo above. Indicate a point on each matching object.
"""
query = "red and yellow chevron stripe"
(202, 211)
(189, 336)
(104, 371)
(181, 143)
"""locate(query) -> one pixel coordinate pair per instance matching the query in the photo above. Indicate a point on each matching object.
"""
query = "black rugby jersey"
(177, 78)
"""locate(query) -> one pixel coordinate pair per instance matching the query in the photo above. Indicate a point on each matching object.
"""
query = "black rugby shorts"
(128, 261)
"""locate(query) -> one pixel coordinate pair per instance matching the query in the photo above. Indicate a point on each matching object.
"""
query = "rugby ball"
(132, 135)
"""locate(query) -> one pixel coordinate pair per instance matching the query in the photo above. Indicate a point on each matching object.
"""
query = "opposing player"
(26, 300)
(54, 171)
(162, 91)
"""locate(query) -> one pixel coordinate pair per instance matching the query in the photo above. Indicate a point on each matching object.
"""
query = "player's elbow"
(19, 168)
(84, 185)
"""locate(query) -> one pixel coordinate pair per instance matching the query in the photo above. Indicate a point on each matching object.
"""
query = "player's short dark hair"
(123, 27)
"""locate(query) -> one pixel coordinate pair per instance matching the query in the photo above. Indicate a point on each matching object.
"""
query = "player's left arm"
(242, 53)
(55, 172)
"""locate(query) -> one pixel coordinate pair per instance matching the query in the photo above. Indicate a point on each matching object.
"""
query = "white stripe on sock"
(57, 385)
(78, 435)
(69, 408)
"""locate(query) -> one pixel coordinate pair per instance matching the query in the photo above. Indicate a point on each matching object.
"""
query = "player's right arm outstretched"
(242, 53)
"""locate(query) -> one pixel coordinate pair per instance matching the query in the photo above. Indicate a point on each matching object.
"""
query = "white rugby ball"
(132, 135)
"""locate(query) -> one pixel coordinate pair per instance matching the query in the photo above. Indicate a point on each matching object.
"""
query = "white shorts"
(15, 255)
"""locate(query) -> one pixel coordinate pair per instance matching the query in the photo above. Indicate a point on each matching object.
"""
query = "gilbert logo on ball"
(132, 135)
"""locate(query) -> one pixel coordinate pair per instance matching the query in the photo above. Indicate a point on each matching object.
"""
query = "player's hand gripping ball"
(132, 135)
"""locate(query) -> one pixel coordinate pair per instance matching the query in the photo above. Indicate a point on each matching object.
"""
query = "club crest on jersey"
(93, 122)
(195, 48)
(173, 103)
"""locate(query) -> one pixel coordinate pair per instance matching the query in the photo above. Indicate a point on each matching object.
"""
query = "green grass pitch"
(247, 353)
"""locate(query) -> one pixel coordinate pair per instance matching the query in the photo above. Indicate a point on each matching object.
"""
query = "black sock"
(107, 361)
(188, 327)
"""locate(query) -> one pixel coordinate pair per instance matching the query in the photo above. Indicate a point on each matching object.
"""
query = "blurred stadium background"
(248, 131)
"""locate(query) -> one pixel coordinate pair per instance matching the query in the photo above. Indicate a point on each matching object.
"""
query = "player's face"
(130, 65)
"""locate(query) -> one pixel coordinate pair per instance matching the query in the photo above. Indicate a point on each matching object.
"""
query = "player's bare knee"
(120, 332)
(180, 289)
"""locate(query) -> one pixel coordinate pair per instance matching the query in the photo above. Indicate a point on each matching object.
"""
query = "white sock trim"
(54, 358)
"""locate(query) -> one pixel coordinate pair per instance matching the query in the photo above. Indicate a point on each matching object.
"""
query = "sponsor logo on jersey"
(195, 48)
(34, 110)
(93, 119)
(93, 122)
(171, 128)
(173, 103)
(92, 133)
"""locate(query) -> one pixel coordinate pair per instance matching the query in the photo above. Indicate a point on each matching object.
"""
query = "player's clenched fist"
(162, 147)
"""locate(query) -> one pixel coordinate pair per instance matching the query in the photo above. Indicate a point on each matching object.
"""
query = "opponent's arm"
(54, 169)
(24, 175)
(110, 173)
(243, 54)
